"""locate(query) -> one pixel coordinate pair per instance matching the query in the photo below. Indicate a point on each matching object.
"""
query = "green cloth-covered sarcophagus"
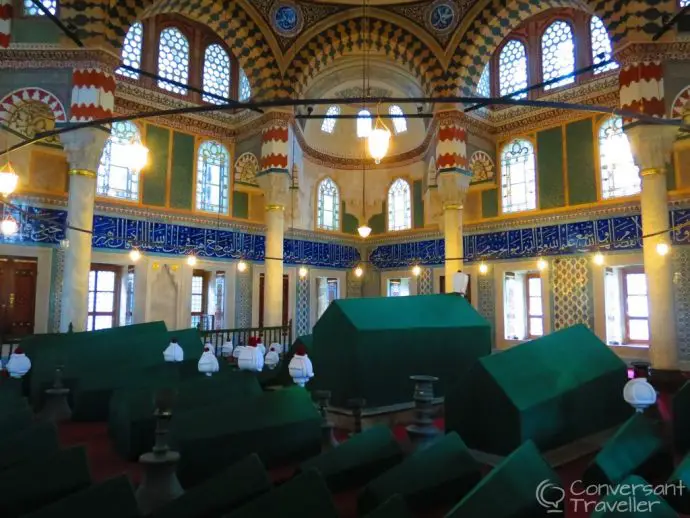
(553, 390)
(369, 347)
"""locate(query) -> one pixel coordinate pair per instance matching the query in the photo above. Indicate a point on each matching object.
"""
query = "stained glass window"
(684, 3)
(399, 212)
(216, 78)
(328, 124)
(518, 176)
(245, 89)
(131, 50)
(115, 178)
(328, 204)
(363, 123)
(399, 122)
(558, 54)
(484, 85)
(30, 8)
(619, 174)
(212, 177)
(173, 60)
(601, 46)
(512, 69)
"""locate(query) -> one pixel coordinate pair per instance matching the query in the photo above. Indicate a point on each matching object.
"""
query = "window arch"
(245, 89)
(115, 178)
(601, 45)
(399, 202)
(518, 176)
(512, 69)
(212, 177)
(558, 54)
(484, 85)
(173, 60)
(363, 123)
(684, 3)
(131, 50)
(399, 121)
(619, 174)
(328, 205)
(30, 8)
(216, 75)
(328, 124)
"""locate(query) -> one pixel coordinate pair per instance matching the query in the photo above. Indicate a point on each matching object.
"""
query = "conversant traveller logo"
(625, 498)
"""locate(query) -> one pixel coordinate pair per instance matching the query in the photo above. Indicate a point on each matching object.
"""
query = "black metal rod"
(70, 34)
(356, 116)
(671, 22)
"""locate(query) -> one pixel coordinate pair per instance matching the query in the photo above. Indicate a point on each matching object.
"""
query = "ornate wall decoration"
(302, 310)
(287, 18)
(358, 91)
(571, 293)
(243, 299)
(681, 103)
(487, 299)
(482, 167)
(441, 17)
(681, 280)
(58, 272)
(246, 169)
(29, 111)
(425, 283)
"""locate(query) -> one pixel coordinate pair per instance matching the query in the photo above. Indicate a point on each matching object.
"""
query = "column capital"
(84, 148)
(651, 147)
(276, 189)
(453, 187)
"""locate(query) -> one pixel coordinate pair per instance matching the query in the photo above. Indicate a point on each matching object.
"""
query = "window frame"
(573, 81)
(398, 120)
(132, 175)
(336, 207)
(409, 216)
(223, 211)
(192, 67)
(21, 10)
(331, 119)
(526, 45)
(536, 176)
(599, 162)
(117, 289)
(528, 315)
(624, 272)
(203, 274)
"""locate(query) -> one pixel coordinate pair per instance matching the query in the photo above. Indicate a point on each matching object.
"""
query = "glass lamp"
(8, 179)
(379, 140)
(364, 231)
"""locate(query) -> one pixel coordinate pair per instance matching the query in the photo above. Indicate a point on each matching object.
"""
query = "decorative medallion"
(246, 168)
(442, 16)
(482, 167)
(287, 18)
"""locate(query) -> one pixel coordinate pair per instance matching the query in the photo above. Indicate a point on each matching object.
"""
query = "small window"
(30, 8)
(216, 78)
(115, 178)
(328, 124)
(328, 205)
(131, 50)
(484, 85)
(104, 294)
(523, 306)
(327, 290)
(213, 177)
(512, 69)
(684, 3)
(173, 60)
(245, 89)
(398, 287)
(220, 300)
(399, 201)
(363, 123)
(399, 121)
(518, 176)
(601, 46)
(635, 303)
(199, 299)
(129, 296)
(619, 174)
(558, 54)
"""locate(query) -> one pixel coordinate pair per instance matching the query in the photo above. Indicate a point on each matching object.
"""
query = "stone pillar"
(6, 10)
(92, 98)
(642, 90)
(274, 180)
(453, 180)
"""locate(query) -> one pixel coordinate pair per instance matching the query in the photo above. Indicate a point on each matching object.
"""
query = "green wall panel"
(182, 172)
(350, 222)
(550, 168)
(582, 177)
(35, 30)
(417, 204)
(378, 222)
(155, 175)
(240, 205)
(490, 203)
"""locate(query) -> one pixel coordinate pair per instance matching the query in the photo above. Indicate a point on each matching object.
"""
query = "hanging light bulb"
(9, 226)
(662, 249)
(191, 260)
(8, 179)
(364, 231)
(483, 268)
(135, 255)
(241, 266)
(416, 270)
(303, 271)
(542, 265)
(136, 155)
(598, 258)
(359, 271)
(379, 140)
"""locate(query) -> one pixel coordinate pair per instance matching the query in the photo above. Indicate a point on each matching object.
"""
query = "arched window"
(245, 89)
(30, 8)
(173, 60)
(363, 123)
(684, 3)
(484, 85)
(518, 176)
(601, 45)
(131, 50)
(212, 177)
(399, 122)
(328, 204)
(399, 212)
(512, 69)
(619, 174)
(115, 178)
(328, 124)
(558, 54)
(216, 79)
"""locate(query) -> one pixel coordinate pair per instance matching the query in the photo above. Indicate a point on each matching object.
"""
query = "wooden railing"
(269, 335)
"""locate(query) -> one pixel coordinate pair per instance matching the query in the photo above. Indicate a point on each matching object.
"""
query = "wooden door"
(17, 296)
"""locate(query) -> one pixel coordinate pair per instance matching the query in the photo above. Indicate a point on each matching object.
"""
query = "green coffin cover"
(443, 472)
(394, 507)
(554, 390)
(281, 426)
(113, 498)
(680, 411)
(131, 424)
(369, 347)
(359, 459)
(33, 485)
(225, 492)
(630, 450)
(677, 489)
(30, 444)
(636, 501)
(304, 496)
(15, 420)
(510, 489)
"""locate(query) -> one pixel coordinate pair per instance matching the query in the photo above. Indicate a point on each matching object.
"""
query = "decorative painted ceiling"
(284, 44)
